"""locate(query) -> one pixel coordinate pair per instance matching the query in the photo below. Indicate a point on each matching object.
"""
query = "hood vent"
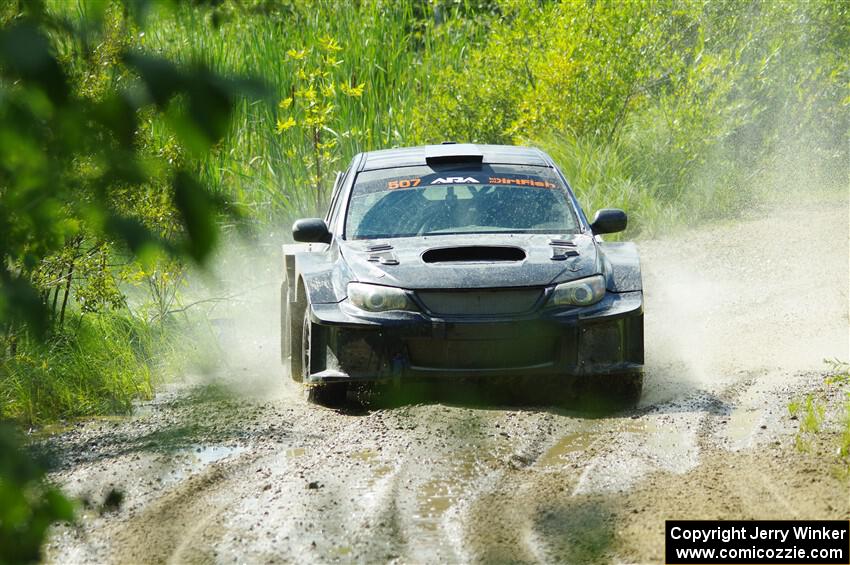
(375, 247)
(382, 253)
(562, 249)
(473, 254)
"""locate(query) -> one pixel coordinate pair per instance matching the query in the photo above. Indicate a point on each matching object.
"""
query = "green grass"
(601, 175)
(382, 47)
(696, 144)
(98, 365)
(816, 416)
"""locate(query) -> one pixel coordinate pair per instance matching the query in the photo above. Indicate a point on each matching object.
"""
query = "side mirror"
(609, 220)
(311, 230)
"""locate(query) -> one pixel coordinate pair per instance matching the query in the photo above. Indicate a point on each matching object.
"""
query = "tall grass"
(97, 368)
(384, 46)
(99, 365)
(691, 139)
(628, 173)
(602, 176)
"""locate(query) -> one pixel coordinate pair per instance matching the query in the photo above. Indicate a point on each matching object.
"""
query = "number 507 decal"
(404, 183)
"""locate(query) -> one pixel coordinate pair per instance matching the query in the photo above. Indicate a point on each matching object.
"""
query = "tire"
(332, 395)
(617, 391)
(294, 329)
(284, 325)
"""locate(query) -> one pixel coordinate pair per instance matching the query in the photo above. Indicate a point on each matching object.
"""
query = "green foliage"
(28, 504)
(569, 67)
(601, 175)
(98, 369)
(87, 188)
(840, 377)
(694, 106)
(703, 104)
(313, 110)
(270, 165)
(812, 412)
(80, 190)
(70, 156)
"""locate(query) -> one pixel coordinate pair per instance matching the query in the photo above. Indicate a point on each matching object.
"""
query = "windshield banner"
(468, 179)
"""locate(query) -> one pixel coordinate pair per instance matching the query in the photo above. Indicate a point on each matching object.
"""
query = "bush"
(28, 504)
(681, 110)
(98, 367)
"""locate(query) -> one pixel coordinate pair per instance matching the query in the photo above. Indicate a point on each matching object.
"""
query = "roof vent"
(453, 153)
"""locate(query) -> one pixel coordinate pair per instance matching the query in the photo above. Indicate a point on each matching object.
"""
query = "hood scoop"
(562, 249)
(473, 254)
(382, 253)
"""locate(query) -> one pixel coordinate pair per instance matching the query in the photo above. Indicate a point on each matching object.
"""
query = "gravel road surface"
(239, 467)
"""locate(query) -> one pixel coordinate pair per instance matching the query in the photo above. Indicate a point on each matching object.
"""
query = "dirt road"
(242, 469)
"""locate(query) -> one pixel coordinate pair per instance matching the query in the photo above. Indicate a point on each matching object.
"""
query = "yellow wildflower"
(353, 91)
(309, 94)
(282, 125)
(328, 43)
(329, 144)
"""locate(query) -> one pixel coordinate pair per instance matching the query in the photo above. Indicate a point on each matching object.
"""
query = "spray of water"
(239, 296)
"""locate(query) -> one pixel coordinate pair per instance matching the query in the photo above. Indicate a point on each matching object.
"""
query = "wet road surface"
(241, 468)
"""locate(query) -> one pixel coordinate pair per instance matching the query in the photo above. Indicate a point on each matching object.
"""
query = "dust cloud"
(766, 288)
(718, 313)
(240, 295)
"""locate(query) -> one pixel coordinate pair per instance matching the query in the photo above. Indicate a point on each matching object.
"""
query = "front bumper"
(349, 345)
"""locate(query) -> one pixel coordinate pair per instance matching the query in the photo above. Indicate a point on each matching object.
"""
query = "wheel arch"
(622, 266)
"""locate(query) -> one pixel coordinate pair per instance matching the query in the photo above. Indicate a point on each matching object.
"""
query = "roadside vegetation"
(679, 111)
(90, 209)
(824, 415)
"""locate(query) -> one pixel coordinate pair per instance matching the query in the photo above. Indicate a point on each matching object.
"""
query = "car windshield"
(416, 201)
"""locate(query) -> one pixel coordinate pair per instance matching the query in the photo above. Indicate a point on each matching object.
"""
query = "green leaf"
(161, 77)
(197, 212)
(21, 304)
(26, 53)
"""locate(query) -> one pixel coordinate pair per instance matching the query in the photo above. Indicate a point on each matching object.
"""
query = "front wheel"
(332, 395)
(621, 390)
(294, 338)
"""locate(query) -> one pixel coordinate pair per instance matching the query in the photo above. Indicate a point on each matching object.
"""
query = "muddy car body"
(460, 260)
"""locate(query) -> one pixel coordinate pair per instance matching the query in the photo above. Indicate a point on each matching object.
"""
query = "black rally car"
(459, 260)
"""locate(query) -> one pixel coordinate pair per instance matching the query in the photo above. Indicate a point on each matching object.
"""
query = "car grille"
(480, 302)
(477, 355)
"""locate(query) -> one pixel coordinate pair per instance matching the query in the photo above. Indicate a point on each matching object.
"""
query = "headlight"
(583, 292)
(374, 298)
